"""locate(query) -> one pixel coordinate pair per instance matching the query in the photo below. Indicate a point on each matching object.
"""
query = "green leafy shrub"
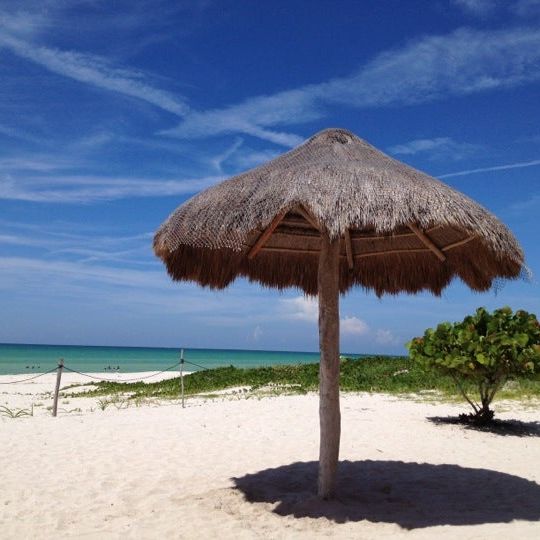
(482, 353)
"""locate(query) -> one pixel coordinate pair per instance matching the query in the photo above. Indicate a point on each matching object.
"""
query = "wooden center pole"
(329, 414)
(182, 376)
(57, 386)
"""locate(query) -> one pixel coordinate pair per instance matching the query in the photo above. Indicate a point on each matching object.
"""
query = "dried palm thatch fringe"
(401, 230)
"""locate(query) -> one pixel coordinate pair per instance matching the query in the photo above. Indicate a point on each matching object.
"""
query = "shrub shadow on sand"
(412, 495)
(515, 428)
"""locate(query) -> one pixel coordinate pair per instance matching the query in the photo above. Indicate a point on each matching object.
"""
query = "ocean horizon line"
(18, 358)
(154, 347)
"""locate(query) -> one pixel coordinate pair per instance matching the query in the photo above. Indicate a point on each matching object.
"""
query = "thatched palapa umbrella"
(330, 214)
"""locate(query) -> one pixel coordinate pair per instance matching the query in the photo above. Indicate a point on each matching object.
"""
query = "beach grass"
(392, 375)
(16, 413)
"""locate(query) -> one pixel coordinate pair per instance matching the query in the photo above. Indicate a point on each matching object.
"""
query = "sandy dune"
(244, 468)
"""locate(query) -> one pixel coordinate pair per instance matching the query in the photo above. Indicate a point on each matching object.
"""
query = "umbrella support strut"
(329, 413)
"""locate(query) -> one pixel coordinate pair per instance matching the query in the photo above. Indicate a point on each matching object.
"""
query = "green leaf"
(482, 359)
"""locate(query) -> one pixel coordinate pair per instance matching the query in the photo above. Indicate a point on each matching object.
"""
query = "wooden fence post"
(57, 388)
(182, 376)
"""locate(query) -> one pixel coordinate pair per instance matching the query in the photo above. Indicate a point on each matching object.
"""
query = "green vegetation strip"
(394, 375)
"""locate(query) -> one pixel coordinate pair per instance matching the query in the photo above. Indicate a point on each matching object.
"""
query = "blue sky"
(112, 114)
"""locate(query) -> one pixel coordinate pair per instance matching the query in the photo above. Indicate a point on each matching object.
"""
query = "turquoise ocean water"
(17, 359)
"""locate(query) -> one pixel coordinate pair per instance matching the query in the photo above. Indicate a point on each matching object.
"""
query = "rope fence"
(30, 378)
(102, 379)
(61, 367)
(196, 365)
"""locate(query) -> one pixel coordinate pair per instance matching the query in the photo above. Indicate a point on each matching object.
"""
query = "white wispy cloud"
(463, 62)
(95, 141)
(74, 231)
(218, 160)
(110, 286)
(436, 148)
(257, 333)
(36, 163)
(306, 309)
(87, 189)
(477, 7)
(519, 165)
(54, 242)
(301, 308)
(240, 157)
(124, 277)
(486, 8)
(25, 21)
(353, 326)
(247, 158)
(385, 337)
(15, 133)
(96, 71)
(115, 286)
(21, 240)
(253, 117)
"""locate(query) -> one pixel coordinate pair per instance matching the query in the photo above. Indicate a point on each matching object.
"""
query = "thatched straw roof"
(401, 230)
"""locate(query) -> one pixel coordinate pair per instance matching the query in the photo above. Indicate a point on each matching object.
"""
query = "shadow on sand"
(412, 495)
(515, 428)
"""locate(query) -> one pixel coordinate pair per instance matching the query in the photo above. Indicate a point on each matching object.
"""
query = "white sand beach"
(39, 392)
(245, 468)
